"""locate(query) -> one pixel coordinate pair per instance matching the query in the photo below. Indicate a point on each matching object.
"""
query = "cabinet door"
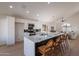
(11, 30)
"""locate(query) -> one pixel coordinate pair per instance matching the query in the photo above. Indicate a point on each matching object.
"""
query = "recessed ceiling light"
(37, 15)
(49, 2)
(11, 6)
(27, 12)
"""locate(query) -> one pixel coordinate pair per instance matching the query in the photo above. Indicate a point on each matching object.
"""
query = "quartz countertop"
(39, 37)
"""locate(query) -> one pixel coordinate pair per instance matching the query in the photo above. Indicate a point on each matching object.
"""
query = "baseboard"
(19, 41)
(2, 45)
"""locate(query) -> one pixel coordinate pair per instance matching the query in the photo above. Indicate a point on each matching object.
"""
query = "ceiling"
(46, 12)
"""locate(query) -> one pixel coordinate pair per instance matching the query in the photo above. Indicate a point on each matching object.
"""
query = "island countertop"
(39, 37)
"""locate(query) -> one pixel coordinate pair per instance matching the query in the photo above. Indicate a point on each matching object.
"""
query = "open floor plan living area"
(39, 28)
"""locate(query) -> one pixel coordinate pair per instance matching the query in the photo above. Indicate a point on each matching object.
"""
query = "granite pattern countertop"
(39, 37)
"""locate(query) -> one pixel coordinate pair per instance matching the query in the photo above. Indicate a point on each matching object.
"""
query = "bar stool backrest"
(62, 37)
(66, 35)
(50, 43)
(58, 39)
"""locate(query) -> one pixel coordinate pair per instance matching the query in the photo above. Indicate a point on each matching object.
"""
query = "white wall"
(74, 21)
(38, 24)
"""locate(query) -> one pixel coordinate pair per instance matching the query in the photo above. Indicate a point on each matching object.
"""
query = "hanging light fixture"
(62, 19)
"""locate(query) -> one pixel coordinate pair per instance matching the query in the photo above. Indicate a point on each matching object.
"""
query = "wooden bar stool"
(64, 43)
(60, 45)
(57, 46)
(67, 45)
(45, 49)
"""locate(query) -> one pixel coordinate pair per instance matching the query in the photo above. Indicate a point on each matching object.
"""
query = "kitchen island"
(32, 42)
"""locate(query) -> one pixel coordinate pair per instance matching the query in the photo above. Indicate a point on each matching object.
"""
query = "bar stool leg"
(68, 46)
(61, 49)
(65, 46)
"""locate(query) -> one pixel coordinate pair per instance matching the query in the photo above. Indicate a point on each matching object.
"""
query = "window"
(66, 27)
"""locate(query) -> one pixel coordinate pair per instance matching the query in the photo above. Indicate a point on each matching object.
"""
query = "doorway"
(19, 32)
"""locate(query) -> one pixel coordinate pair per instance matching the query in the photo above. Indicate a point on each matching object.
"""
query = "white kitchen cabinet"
(7, 30)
